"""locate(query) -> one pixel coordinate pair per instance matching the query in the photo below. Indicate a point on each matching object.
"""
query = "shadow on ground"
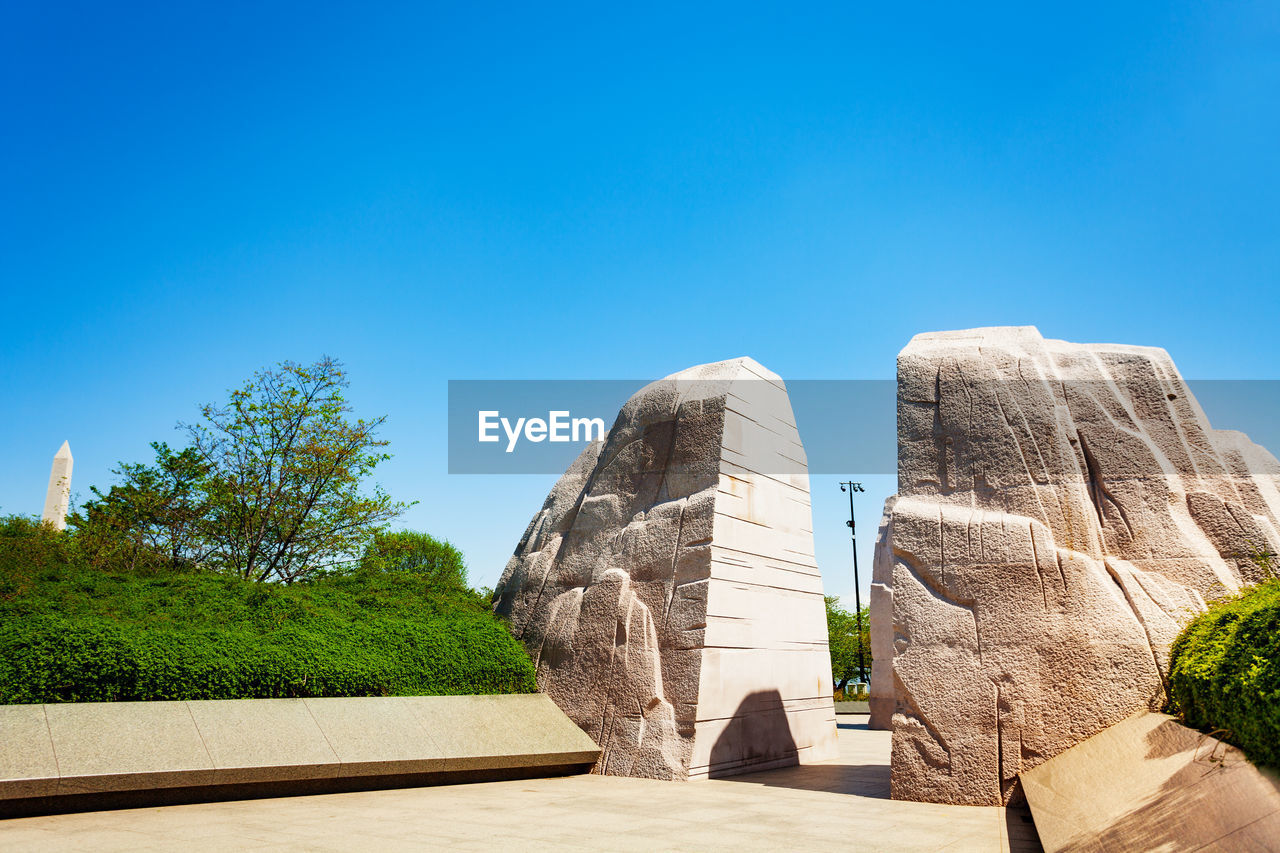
(857, 779)
(1021, 830)
(862, 770)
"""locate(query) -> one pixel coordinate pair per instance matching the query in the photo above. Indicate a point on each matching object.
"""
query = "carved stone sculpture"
(1063, 509)
(667, 589)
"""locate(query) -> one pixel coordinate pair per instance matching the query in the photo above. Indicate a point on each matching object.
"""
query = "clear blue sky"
(189, 192)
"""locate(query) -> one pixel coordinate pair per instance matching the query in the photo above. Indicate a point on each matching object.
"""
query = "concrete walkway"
(838, 804)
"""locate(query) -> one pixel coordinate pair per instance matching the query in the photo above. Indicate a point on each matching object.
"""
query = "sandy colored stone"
(667, 589)
(28, 765)
(94, 748)
(1063, 510)
(793, 808)
(882, 700)
(106, 746)
(1149, 783)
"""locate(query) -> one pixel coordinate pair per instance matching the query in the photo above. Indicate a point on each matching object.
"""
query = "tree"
(270, 488)
(419, 553)
(285, 469)
(844, 641)
(154, 517)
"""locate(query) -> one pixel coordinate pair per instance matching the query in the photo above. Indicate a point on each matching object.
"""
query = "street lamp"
(852, 487)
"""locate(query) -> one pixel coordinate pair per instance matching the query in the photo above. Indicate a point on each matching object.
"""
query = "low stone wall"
(103, 754)
(1150, 783)
(853, 708)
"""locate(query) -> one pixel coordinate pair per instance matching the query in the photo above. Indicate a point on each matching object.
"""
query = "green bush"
(411, 551)
(845, 642)
(1225, 671)
(72, 633)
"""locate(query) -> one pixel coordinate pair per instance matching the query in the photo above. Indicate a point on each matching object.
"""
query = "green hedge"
(73, 634)
(1225, 672)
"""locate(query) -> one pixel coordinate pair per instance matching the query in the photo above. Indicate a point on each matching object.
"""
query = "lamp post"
(851, 487)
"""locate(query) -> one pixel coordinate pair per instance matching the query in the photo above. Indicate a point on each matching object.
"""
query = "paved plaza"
(841, 804)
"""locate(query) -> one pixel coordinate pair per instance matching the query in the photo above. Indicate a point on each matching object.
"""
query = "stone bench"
(78, 756)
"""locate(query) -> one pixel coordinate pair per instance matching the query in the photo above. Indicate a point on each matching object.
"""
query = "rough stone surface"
(881, 701)
(1063, 510)
(667, 589)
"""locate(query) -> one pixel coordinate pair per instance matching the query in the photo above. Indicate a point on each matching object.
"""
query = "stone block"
(1063, 510)
(667, 590)
(1149, 783)
(94, 754)
(262, 740)
(112, 746)
(485, 732)
(28, 766)
(375, 735)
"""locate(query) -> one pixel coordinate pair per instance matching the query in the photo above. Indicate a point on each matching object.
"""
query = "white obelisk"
(58, 498)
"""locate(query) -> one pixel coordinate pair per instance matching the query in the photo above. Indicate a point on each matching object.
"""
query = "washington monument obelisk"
(58, 497)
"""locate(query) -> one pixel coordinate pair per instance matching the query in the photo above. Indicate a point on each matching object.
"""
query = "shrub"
(1225, 671)
(271, 488)
(73, 633)
(410, 551)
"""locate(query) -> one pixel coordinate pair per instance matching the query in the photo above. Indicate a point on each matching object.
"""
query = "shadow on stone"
(758, 736)
(1206, 800)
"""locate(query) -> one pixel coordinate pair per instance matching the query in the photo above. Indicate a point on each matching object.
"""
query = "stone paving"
(838, 804)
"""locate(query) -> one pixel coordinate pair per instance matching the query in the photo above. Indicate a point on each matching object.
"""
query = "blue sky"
(189, 192)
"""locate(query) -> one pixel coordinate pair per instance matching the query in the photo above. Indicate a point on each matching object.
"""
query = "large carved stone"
(881, 605)
(667, 590)
(1063, 510)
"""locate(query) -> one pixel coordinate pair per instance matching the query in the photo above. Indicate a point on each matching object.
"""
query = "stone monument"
(881, 701)
(667, 590)
(58, 498)
(1063, 510)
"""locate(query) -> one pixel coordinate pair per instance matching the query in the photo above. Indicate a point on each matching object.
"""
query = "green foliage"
(1225, 671)
(270, 488)
(411, 551)
(1264, 560)
(844, 640)
(153, 518)
(70, 631)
